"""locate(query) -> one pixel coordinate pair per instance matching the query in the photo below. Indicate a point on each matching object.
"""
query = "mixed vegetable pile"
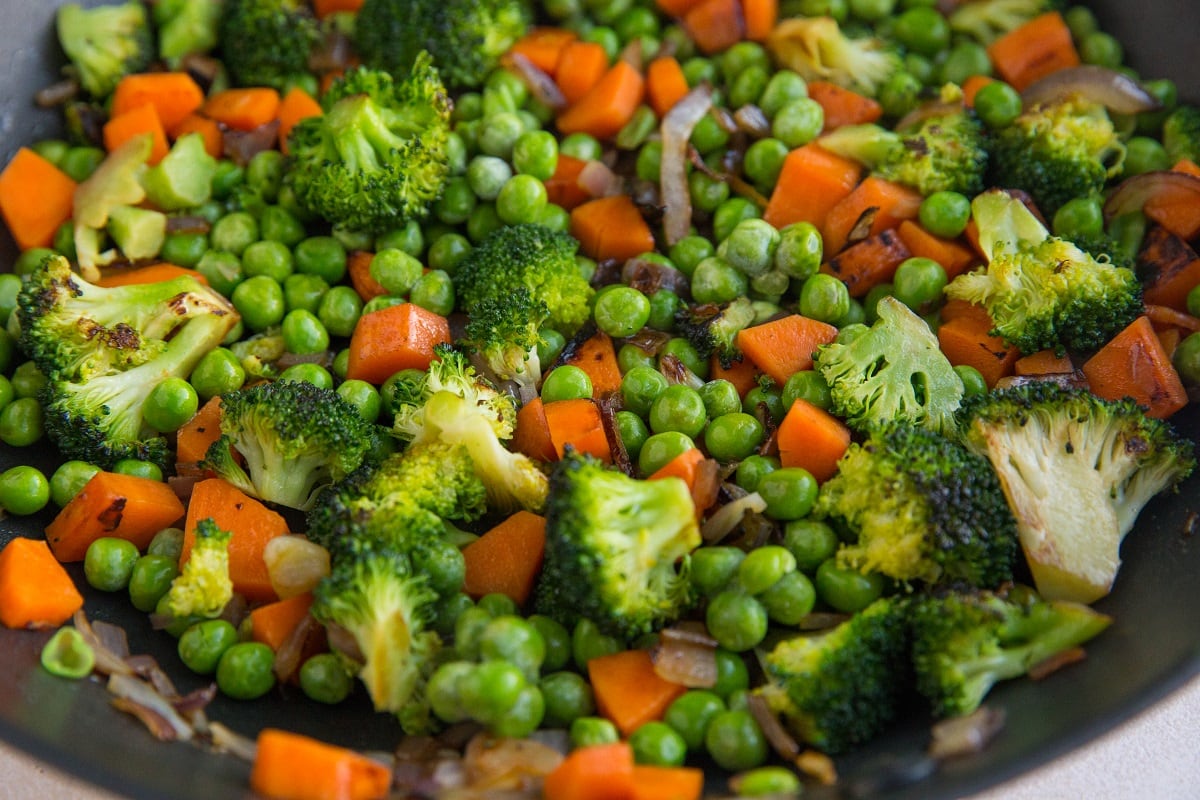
(612, 388)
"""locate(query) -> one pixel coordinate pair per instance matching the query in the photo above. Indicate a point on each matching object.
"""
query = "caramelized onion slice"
(726, 519)
(1112, 89)
(1163, 186)
(677, 128)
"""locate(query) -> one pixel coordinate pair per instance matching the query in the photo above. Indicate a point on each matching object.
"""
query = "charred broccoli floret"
(1040, 290)
(817, 48)
(293, 437)
(105, 43)
(712, 328)
(964, 643)
(921, 508)
(377, 157)
(616, 549)
(204, 587)
(533, 257)
(449, 372)
(1076, 470)
(839, 688)
(1181, 133)
(988, 20)
(893, 371)
(505, 335)
(267, 42)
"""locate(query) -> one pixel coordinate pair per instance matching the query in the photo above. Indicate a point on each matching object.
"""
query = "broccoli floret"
(616, 549)
(115, 184)
(74, 330)
(1076, 470)
(377, 157)
(987, 20)
(530, 256)
(105, 43)
(267, 42)
(99, 419)
(376, 594)
(505, 335)
(840, 688)
(923, 508)
(1040, 290)
(1181, 134)
(204, 587)
(817, 48)
(1056, 152)
(893, 371)
(943, 153)
(712, 328)
(465, 38)
(186, 27)
(963, 644)
(294, 438)
(449, 372)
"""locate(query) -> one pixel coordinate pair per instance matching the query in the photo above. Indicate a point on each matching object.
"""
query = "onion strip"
(677, 127)
(1133, 193)
(1113, 90)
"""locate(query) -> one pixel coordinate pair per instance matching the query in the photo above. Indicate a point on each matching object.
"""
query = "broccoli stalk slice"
(449, 372)
(204, 587)
(817, 48)
(360, 137)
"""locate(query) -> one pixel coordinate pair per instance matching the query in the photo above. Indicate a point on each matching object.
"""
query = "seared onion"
(1133, 193)
(961, 736)
(726, 518)
(493, 762)
(139, 698)
(649, 276)
(1114, 90)
(226, 741)
(781, 741)
(540, 84)
(241, 146)
(751, 119)
(598, 180)
(677, 127)
(690, 661)
(295, 565)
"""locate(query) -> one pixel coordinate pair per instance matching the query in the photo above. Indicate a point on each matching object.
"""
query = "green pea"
(308, 373)
(798, 122)
(68, 655)
(303, 333)
(1193, 301)
(900, 93)
(1187, 359)
(21, 422)
(708, 136)
(568, 696)
(1101, 49)
(732, 674)
(167, 542)
(918, 283)
(408, 238)
(219, 372)
(521, 199)
(246, 671)
(234, 232)
(800, 250)
(678, 408)
(736, 620)
(322, 256)
(762, 399)
(498, 604)
(550, 345)
(715, 280)
(660, 448)
(557, 641)
(732, 437)
(80, 162)
(582, 146)
(536, 153)
(24, 490)
(659, 744)
(444, 690)
(790, 599)
(264, 173)
(729, 214)
(824, 298)
(720, 397)
(621, 312)
(512, 639)
(751, 246)
(339, 310)
(456, 202)
(27, 380)
(767, 781)
(964, 60)
(588, 642)
(69, 479)
(846, 589)
(945, 214)
(734, 741)
(491, 690)
(688, 252)
(1144, 154)
(1079, 216)
(363, 396)
(567, 382)
(810, 542)
(713, 567)
(783, 87)
(923, 30)
(108, 563)
(588, 731)
(810, 386)
(150, 579)
(222, 269)
(259, 300)
(170, 404)
(277, 224)
(7, 395)
(138, 468)
(764, 161)
(324, 678)
(997, 104)
(973, 381)
(748, 86)
(630, 356)
(790, 493)
(763, 567)
(632, 432)
(690, 714)
(752, 469)
(707, 193)
(648, 165)
(202, 645)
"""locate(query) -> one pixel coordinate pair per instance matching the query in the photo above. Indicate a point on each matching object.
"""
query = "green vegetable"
(267, 42)
(105, 43)
(68, 655)
(204, 587)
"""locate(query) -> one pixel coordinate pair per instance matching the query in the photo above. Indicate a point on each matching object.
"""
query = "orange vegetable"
(1176, 209)
(760, 17)
(1169, 338)
(174, 95)
(113, 504)
(1135, 365)
(598, 772)
(611, 227)
(1043, 362)
(273, 623)
(1168, 267)
(1034, 50)
(866, 264)
(784, 346)
(209, 130)
(686, 466)
(966, 340)
(395, 338)
(715, 25)
(358, 267)
(652, 782)
(952, 255)
(665, 84)
(563, 188)
(971, 87)
(296, 105)
(288, 766)
(812, 438)
(252, 524)
(543, 47)
(577, 423)
(151, 273)
(742, 374)
(243, 109)
(507, 558)
(581, 65)
(35, 590)
(28, 176)
(954, 307)
(843, 106)
(887, 204)
(1188, 166)
(138, 121)
(194, 437)
(596, 356)
(323, 8)
(607, 106)
(676, 8)
(628, 690)
(532, 435)
(1165, 316)
(811, 182)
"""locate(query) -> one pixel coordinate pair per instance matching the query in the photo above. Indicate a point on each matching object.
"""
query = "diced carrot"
(742, 374)
(597, 772)
(611, 227)
(151, 273)
(784, 346)
(1169, 269)
(687, 466)
(137, 121)
(1169, 338)
(580, 67)
(676, 8)
(296, 105)
(532, 435)
(1043, 362)
(323, 8)
(577, 423)
(608, 105)
(843, 106)
(812, 438)
(543, 47)
(954, 257)
(954, 308)
(628, 691)
(1187, 166)
(563, 188)
(971, 87)
(1176, 208)
(288, 766)
(35, 590)
(715, 25)
(395, 338)
(811, 182)
(887, 204)
(652, 782)
(273, 623)
(195, 436)
(507, 558)
(966, 340)
(666, 84)
(1034, 50)
(174, 95)
(594, 354)
(866, 264)
(26, 178)
(113, 504)
(252, 526)
(209, 130)
(243, 109)
(760, 16)
(1134, 365)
